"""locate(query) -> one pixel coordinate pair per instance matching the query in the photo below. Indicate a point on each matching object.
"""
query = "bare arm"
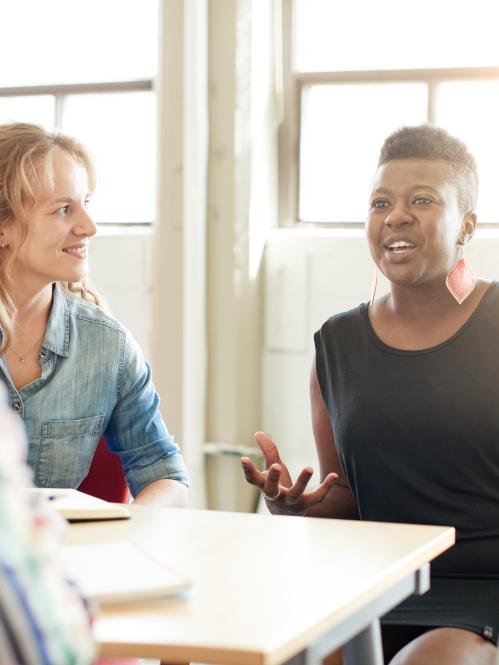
(340, 501)
(168, 493)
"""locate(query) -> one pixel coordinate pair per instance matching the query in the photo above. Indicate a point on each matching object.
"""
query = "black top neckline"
(363, 310)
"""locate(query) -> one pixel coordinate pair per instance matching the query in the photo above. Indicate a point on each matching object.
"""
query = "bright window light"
(38, 109)
(70, 41)
(390, 34)
(364, 69)
(470, 109)
(343, 127)
(60, 44)
(119, 130)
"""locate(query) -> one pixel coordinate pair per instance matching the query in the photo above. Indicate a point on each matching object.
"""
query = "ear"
(7, 231)
(467, 228)
(3, 238)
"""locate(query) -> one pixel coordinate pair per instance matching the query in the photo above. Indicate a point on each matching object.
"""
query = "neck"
(426, 302)
(32, 306)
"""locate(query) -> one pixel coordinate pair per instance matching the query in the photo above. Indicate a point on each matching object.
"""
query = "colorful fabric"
(43, 621)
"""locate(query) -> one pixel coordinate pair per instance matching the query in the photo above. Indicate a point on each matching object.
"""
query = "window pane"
(71, 41)
(343, 127)
(392, 34)
(119, 130)
(470, 109)
(37, 108)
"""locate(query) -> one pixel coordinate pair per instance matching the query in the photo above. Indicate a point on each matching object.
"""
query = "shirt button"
(16, 406)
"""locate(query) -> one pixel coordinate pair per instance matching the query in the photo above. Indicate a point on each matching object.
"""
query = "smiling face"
(414, 223)
(58, 228)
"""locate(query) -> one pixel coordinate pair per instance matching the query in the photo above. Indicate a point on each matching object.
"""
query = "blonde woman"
(73, 373)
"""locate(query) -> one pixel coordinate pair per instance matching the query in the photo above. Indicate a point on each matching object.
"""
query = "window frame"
(61, 91)
(293, 82)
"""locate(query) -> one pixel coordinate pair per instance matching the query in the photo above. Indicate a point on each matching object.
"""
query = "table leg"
(365, 648)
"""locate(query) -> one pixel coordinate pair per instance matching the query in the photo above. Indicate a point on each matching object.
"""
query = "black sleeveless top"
(417, 432)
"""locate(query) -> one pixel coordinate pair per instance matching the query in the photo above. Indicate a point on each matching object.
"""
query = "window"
(356, 71)
(86, 67)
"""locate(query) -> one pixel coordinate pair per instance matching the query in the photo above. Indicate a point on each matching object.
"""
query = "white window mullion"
(432, 96)
(59, 111)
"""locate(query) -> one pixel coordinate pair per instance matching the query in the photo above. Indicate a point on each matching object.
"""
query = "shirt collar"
(57, 333)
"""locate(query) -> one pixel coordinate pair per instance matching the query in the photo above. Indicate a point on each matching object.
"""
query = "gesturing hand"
(281, 495)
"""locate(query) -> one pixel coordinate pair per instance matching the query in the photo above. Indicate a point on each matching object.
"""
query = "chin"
(74, 276)
(403, 277)
(79, 274)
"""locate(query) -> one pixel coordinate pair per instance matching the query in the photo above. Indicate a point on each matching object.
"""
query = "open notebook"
(74, 505)
(120, 572)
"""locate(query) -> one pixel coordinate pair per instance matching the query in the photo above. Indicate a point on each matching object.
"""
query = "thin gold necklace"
(23, 357)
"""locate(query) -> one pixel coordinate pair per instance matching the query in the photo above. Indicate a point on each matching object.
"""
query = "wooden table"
(265, 589)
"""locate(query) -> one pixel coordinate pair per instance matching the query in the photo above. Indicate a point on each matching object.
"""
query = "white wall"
(120, 268)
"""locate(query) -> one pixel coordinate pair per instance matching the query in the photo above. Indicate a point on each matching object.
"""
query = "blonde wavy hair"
(26, 151)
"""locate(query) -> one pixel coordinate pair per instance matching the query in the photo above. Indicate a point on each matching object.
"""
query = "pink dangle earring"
(461, 280)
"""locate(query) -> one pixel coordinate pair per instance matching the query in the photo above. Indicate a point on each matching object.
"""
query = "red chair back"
(106, 478)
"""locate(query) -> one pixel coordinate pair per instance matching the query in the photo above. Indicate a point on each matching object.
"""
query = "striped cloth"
(43, 621)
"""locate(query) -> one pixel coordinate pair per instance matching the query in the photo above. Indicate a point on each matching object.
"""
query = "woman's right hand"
(281, 495)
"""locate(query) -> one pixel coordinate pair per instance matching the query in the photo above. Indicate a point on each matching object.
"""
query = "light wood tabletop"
(265, 589)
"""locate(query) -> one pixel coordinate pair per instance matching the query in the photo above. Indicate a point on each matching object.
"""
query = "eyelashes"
(419, 201)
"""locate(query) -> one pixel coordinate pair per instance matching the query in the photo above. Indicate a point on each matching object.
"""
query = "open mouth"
(400, 247)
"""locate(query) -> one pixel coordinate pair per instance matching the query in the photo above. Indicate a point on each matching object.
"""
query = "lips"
(399, 245)
(79, 250)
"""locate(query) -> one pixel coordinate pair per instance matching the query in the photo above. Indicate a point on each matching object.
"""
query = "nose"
(85, 225)
(399, 215)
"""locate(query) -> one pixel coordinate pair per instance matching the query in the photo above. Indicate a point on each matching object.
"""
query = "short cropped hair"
(427, 142)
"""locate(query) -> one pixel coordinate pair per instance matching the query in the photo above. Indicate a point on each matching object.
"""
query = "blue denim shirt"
(94, 382)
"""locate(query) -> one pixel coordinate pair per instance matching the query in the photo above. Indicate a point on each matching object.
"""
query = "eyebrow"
(63, 199)
(383, 190)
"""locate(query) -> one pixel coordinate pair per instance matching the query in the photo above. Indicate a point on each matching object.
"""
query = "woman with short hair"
(405, 395)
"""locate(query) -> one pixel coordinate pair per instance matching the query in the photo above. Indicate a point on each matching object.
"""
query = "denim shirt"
(94, 382)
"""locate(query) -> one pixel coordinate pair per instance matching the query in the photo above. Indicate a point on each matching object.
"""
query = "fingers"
(251, 473)
(266, 481)
(268, 448)
(280, 497)
(296, 491)
(318, 494)
(271, 489)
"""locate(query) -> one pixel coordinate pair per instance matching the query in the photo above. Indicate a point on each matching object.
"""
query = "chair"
(105, 478)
